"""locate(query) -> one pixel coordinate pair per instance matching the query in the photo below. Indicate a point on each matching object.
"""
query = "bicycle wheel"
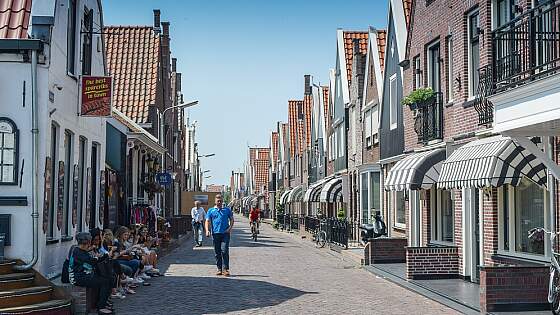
(554, 296)
(321, 239)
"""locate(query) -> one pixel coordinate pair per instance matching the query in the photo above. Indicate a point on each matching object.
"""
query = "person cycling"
(254, 216)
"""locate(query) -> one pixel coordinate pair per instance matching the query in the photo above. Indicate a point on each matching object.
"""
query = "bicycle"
(320, 236)
(554, 282)
(254, 230)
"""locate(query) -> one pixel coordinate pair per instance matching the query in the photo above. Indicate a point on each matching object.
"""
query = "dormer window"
(8, 152)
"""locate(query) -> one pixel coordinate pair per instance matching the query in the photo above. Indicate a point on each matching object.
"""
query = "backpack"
(65, 275)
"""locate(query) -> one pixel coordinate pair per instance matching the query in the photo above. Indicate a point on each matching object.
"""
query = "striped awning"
(313, 193)
(284, 197)
(332, 191)
(416, 171)
(491, 162)
(296, 195)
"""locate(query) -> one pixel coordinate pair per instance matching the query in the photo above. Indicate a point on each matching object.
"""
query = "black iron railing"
(527, 47)
(337, 232)
(311, 224)
(482, 104)
(428, 120)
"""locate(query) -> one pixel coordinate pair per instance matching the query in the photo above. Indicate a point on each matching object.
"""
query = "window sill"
(399, 228)
(66, 239)
(441, 244)
(525, 258)
(52, 241)
(449, 104)
(470, 102)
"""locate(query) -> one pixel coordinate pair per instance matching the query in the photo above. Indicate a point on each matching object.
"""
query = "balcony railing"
(528, 47)
(428, 120)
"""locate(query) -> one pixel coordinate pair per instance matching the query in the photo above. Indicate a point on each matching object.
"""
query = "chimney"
(165, 27)
(178, 81)
(173, 64)
(307, 90)
(157, 21)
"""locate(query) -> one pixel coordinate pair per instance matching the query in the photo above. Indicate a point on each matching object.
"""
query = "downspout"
(550, 149)
(34, 166)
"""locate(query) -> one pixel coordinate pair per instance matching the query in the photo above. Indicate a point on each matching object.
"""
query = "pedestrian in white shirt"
(198, 214)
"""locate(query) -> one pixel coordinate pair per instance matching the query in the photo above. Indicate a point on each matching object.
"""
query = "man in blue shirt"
(219, 220)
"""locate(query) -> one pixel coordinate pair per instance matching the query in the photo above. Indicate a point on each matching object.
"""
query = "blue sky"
(244, 59)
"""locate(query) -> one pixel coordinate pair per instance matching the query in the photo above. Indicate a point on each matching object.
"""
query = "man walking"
(221, 219)
(198, 214)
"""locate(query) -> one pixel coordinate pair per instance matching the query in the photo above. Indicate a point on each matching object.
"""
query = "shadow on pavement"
(208, 295)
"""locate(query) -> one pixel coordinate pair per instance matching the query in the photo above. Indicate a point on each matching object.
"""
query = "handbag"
(104, 268)
(65, 275)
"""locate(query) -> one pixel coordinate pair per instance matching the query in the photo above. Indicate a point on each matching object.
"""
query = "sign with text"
(163, 178)
(96, 96)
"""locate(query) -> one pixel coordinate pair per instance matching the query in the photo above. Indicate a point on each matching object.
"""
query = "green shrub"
(419, 96)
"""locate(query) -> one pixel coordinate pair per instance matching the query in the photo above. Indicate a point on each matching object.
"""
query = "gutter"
(34, 46)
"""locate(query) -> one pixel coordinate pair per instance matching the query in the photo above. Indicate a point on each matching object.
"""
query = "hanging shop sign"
(96, 96)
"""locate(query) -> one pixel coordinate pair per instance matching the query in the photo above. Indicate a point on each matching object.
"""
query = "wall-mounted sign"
(96, 96)
(75, 194)
(163, 178)
(60, 202)
(47, 194)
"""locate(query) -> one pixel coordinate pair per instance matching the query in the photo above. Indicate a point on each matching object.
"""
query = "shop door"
(476, 235)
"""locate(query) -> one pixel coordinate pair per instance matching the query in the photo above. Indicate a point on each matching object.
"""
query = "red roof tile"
(275, 146)
(14, 18)
(285, 137)
(326, 104)
(307, 110)
(381, 46)
(261, 174)
(407, 5)
(349, 36)
(132, 59)
(293, 110)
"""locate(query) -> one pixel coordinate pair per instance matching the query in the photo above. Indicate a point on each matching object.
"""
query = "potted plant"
(419, 98)
(341, 213)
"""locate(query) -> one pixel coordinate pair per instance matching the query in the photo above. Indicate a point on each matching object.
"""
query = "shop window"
(365, 198)
(54, 174)
(8, 152)
(370, 195)
(81, 177)
(523, 208)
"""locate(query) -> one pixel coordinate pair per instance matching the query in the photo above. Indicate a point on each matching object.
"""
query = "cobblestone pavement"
(279, 274)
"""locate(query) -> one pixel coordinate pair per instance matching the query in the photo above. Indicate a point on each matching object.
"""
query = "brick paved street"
(279, 274)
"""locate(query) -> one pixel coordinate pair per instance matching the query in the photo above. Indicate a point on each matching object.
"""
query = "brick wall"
(490, 223)
(387, 250)
(458, 225)
(426, 218)
(432, 262)
(513, 288)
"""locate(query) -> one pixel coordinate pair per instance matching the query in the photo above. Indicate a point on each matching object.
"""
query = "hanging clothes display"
(145, 215)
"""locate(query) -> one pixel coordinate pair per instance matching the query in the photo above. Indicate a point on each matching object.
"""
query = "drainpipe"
(550, 149)
(34, 166)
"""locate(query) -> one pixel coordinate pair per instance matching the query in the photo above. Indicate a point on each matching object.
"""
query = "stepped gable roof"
(14, 18)
(133, 54)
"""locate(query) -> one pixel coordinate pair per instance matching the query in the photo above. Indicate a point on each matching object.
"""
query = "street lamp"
(209, 176)
(205, 171)
(184, 105)
(207, 155)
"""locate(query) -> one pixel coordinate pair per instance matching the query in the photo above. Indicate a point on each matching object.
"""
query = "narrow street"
(279, 274)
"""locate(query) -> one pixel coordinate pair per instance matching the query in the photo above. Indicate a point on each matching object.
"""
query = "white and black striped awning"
(416, 171)
(332, 191)
(296, 195)
(491, 162)
(284, 197)
(314, 191)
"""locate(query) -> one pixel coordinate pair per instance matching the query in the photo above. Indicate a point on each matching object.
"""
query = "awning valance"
(284, 197)
(332, 191)
(490, 162)
(296, 195)
(313, 193)
(416, 171)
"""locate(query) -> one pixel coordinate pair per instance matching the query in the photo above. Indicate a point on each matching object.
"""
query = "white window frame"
(511, 226)
(375, 124)
(417, 68)
(435, 212)
(368, 128)
(353, 128)
(393, 106)
(393, 196)
(430, 65)
(370, 207)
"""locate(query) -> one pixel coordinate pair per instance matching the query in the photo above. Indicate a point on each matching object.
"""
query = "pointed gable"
(14, 18)
(349, 37)
(274, 146)
(294, 110)
(407, 6)
(132, 59)
(307, 111)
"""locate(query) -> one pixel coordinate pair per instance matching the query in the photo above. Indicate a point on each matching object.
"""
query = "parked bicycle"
(554, 282)
(319, 235)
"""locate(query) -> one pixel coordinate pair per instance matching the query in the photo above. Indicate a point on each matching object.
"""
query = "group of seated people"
(114, 264)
